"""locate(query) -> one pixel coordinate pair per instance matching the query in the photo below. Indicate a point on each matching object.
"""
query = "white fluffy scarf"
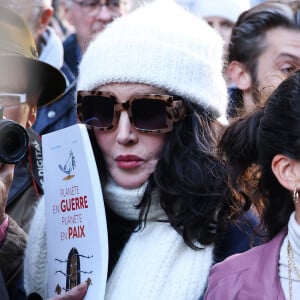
(155, 263)
(123, 201)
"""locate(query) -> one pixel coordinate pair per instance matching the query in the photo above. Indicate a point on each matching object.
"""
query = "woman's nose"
(126, 133)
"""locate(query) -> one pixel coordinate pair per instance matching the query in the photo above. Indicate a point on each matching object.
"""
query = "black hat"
(17, 44)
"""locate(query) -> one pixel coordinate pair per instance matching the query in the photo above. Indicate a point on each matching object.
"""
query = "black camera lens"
(13, 141)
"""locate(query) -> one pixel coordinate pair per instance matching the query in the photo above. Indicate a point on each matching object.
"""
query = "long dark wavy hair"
(191, 179)
(250, 144)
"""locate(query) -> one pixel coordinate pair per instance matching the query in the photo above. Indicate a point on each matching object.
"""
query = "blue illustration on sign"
(69, 166)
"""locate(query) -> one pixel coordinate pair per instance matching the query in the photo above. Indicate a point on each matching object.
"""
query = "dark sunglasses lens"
(149, 114)
(98, 111)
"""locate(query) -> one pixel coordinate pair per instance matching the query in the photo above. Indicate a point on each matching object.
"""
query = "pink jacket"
(251, 275)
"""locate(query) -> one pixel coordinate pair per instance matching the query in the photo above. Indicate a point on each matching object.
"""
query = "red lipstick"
(128, 161)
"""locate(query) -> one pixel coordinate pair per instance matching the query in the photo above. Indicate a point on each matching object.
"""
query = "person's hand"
(76, 293)
(6, 177)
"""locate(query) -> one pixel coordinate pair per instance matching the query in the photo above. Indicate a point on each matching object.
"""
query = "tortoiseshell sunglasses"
(147, 112)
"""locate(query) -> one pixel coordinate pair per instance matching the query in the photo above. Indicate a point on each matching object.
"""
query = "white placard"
(75, 215)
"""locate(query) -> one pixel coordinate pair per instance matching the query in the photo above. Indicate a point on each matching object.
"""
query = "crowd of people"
(193, 114)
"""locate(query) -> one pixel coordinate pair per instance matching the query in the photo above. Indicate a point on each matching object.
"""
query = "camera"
(13, 140)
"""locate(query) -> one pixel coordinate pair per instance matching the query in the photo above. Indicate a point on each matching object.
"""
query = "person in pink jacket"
(265, 159)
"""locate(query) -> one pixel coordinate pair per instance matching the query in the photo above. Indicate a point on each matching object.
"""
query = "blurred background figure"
(59, 22)
(38, 14)
(88, 18)
(221, 15)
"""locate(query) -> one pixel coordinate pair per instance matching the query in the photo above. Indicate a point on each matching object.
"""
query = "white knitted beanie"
(162, 45)
(228, 9)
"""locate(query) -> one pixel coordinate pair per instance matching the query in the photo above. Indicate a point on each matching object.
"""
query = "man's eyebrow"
(289, 55)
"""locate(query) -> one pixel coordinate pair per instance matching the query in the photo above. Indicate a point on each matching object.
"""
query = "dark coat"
(3, 290)
(62, 112)
(23, 197)
(72, 53)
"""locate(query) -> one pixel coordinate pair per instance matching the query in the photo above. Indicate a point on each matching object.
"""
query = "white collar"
(52, 52)
(123, 201)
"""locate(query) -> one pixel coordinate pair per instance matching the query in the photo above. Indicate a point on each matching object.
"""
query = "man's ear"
(239, 75)
(287, 171)
(44, 20)
(31, 116)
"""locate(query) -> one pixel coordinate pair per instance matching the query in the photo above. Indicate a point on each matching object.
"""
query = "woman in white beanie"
(151, 91)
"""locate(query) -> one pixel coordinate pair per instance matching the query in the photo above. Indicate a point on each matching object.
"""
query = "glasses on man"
(92, 7)
(147, 112)
(8, 100)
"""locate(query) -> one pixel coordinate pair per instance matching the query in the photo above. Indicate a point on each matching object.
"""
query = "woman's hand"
(76, 293)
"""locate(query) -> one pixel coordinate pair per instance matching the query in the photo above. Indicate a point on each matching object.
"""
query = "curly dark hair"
(191, 179)
(250, 144)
